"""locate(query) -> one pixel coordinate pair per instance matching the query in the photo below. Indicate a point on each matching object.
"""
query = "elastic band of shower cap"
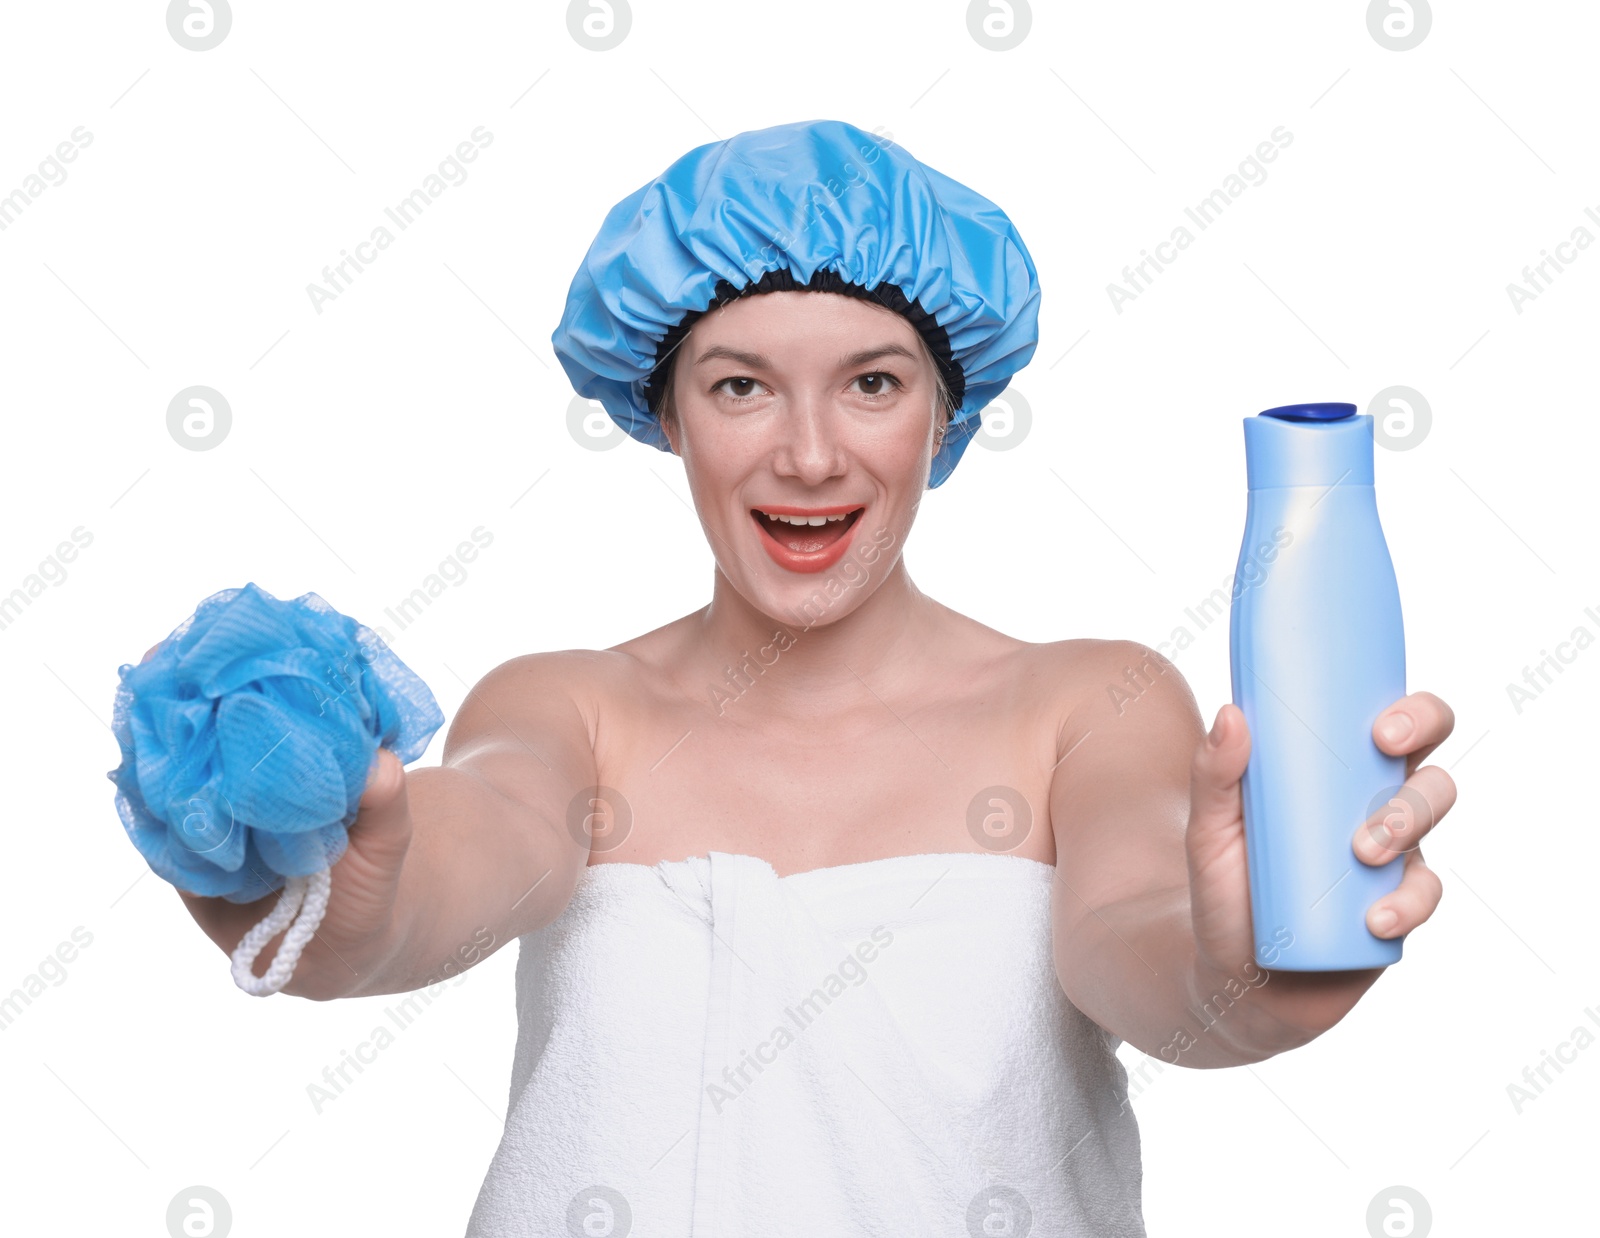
(816, 205)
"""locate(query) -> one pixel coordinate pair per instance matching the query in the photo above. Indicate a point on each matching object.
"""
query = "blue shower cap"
(816, 205)
(247, 739)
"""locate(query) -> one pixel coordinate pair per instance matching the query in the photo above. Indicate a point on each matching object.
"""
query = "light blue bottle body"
(1317, 652)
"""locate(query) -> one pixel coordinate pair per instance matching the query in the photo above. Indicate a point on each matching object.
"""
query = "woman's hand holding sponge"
(263, 743)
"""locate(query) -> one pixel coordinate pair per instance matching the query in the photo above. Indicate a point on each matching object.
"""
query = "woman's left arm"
(1151, 914)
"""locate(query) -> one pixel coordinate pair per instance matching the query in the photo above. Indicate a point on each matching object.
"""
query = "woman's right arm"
(447, 864)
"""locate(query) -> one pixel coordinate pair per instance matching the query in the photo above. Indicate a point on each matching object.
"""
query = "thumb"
(386, 780)
(1215, 796)
(383, 818)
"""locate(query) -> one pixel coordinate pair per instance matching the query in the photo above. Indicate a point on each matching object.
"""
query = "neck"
(829, 656)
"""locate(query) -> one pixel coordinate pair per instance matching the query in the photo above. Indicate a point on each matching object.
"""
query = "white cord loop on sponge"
(309, 897)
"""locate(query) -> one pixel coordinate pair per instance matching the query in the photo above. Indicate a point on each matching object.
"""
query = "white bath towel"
(708, 1050)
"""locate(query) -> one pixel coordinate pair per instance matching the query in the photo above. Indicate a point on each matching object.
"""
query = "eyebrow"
(757, 362)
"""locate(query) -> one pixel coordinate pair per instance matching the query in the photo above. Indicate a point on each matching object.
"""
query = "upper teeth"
(804, 519)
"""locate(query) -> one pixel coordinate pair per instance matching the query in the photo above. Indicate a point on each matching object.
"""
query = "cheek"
(904, 437)
(714, 445)
(714, 462)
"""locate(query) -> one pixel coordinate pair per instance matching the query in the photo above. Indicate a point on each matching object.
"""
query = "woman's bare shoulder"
(1092, 652)
(551, 697)
(1085, 675)
(587, 676)
(579, 673)
(1059, 673)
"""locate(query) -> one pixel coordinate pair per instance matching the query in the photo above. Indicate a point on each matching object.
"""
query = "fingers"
(1411, 903)
(224, 922)
(151, 652)
(1400, 824)
(1413, 727)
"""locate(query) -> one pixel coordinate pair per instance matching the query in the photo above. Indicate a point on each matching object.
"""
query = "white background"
(369, 439)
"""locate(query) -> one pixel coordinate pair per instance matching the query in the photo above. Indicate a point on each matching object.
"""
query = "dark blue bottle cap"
(1311, 412)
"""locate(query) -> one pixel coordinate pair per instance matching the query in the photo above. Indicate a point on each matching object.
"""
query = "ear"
(669, 425)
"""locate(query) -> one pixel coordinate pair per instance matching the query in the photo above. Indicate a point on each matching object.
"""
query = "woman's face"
(807, 404)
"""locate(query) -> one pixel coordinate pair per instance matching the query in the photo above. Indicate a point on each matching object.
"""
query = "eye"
(879, 384)
(744, 388)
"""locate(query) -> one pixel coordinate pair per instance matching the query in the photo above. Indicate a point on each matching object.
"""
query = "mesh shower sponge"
(246, 742)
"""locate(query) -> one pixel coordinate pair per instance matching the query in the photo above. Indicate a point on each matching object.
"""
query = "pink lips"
(815, 553)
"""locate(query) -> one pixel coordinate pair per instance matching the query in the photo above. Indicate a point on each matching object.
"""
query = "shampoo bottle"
(1317, 653)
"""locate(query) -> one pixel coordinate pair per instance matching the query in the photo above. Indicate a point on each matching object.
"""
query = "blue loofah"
(247, 739)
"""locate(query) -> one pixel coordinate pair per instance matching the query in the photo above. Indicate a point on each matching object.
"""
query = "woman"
(834, 904)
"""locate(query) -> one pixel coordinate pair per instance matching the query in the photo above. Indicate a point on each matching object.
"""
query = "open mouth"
(805, 535)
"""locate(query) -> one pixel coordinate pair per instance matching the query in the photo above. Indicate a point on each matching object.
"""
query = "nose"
(810, 447)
